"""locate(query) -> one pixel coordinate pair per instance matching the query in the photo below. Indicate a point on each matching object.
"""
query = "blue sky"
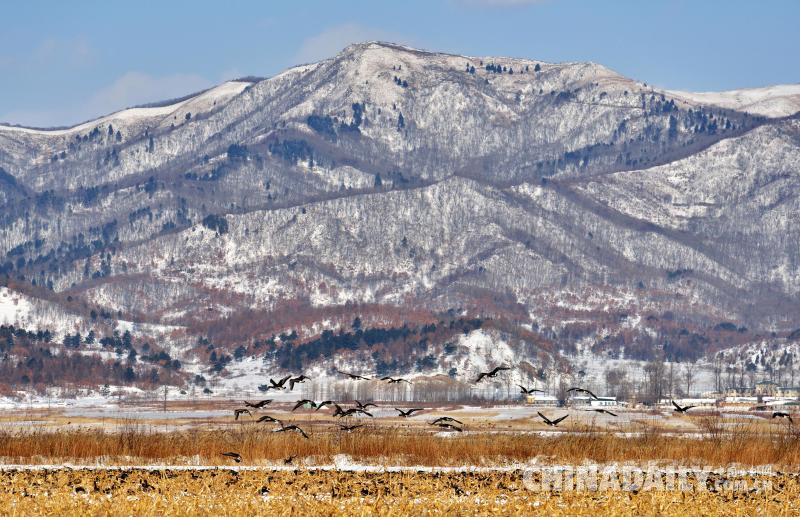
(65, 62)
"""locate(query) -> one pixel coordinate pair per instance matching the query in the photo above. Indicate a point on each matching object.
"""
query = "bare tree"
(689, 376)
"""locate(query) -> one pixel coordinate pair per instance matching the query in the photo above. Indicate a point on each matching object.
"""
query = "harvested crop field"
(228, 491)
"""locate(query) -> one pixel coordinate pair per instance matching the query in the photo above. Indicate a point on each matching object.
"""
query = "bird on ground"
(451, 427)
(528, 391)
(235, 456)
(237, 412)
(297, 380)
(303, 403)
(392, 380)
(354, 376)
(492, 374)
(267, 418)
(446, 419)
(781, 414)
(583, 390)
(278, 385)
(361, 405)
(292, 427)
(680, 409)
(599, 410)
(408, 412)
(324, 403)
(289, 460)
(348, 428)
(257, 405)
(353, 411)
(552, 423)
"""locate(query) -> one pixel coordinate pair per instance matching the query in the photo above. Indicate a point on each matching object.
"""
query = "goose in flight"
(492, 374)
(528, 391)
(679, 409)
(552, 423)
(446, 419)
(392, 380)
(361, 405)
(408, 412)
(599, 410)
(781, 414)
(291, 427)
(349, 428)
(324, 403)
(354, 376)
(297, 380)
(353, 411)
(257, 405)
(237, 412)
(278, 385)
(235, 456)
(267, 418)
(303, 402)
(582, 390)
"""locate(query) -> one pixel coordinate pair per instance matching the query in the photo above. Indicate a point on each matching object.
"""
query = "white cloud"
(330, 41)
(130, 89)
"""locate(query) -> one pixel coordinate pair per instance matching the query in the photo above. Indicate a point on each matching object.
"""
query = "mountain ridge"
(387, 182)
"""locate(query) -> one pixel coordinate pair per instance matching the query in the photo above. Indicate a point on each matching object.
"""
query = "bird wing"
(523, 388)
(547, 420)
(676, 406)
(365, 412)
(591, 394)
(410, 411)
(386, 379)
(302, 432)
(481, 376)
(610, 413)
(283, 381)
(573, 389)
(557, 420)
(299, 403)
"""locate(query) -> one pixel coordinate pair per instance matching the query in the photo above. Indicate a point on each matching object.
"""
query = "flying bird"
(303, 403)
(267, 418)
(361, 405)
(528, 391)
(583, 390)
(781, 414)
(235, 456)
(392, 380)
(598, 410)
(354, 376)
(324, 403)
(348, 428)
(237, 412)
(353, 411)
(446, 419)
(279, 384)
(297, 380)
(257, 405)
(680, 409)
(552, 423)
(491, 374)
(292, 427)
(451, 427)
(407, 413)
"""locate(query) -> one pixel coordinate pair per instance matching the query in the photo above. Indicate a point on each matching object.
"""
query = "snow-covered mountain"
(563, 202)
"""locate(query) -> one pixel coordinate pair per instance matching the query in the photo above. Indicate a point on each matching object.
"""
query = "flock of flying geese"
(360, 408)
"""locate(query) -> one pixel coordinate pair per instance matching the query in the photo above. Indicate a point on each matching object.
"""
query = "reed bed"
(394, 445)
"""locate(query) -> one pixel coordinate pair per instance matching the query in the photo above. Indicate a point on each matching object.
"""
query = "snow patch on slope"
(776, 101)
